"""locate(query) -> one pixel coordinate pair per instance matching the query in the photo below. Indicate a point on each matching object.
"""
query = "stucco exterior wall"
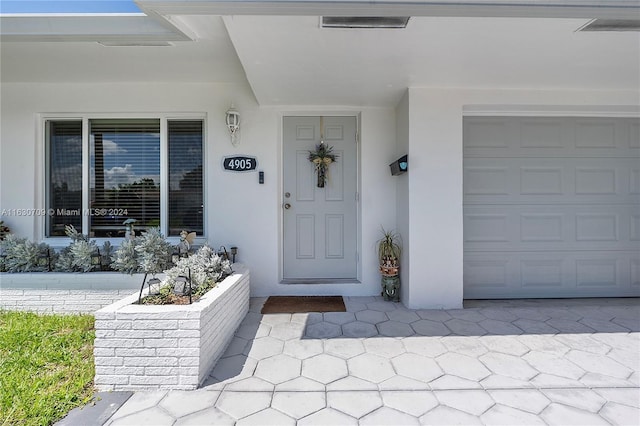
(239, 211)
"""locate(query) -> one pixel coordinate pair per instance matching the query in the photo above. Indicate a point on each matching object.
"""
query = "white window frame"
(164, 170)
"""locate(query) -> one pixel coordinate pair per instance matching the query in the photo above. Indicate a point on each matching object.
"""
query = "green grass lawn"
(46, 366)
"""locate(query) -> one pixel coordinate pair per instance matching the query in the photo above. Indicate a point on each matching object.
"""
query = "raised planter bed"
(64, 292)
(149, 347)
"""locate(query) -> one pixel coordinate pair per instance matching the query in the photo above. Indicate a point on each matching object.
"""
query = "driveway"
(573, 361)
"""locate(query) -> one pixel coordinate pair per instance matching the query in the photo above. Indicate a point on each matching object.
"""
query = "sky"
(69, 6)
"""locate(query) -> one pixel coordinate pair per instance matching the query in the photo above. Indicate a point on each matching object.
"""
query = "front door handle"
(287, 206)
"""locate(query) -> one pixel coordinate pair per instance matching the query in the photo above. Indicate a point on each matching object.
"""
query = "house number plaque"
(239, 163)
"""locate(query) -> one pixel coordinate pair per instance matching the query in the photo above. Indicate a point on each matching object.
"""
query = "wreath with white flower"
(322, 157)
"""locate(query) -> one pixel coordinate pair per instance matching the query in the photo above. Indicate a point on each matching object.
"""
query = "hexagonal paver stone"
(543, 343)
(505, 344)
(619, 414)
(139, 401)
(534, 326)
(443, 415)
(324, 368)
(323, 330)
(359, 329)
(273, 319)
(471, 346)
(355, 404)
(530, 400)
(583, 342)
(633, 324)
(328, 417)
(278, 369)
(210, 416)
(298, 404)
(243, 404)
(384, 346)
(427, 346)
(430, 328)
(253, 331)
(236, 347)
(417, 367)
(344, 348)
(303, 349)
(462, 366)
(300, 384)
(508, 365)
(498, 314)
(569, 326)
(415, 403)
(268, 417)
(264, 347)
(559, 414)
(602, 326)
(502, 415)
(181, 403)
(437, 315)
(339, 317)
(388, 416)
(402, 383)
(500, 327)
(371, 367)
(448, 382)
(471, 315)
(403, 315)
(583, 399)
(395, 329)
(351, 383)
(599, 364)
(372, 317)
(474, 402)
(287, 330)
(154, 416)
(382, 306)
(553, 364)
(465, 328)
(234, 367)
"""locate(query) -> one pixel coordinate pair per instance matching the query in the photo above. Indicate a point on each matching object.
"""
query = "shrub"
(21, 255)
(205, 265)
(77, 256)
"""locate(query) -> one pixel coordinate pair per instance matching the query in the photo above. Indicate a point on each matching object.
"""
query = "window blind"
(64, 198)
(124, 173)
(186, 204)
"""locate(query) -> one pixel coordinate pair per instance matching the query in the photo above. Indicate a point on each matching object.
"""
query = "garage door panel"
(551, 207)
(500, 137)
(551, 274)
(551, 180)
(551, 227)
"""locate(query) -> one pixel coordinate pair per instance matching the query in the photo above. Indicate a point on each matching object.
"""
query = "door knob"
(287, 194)
(287, 206)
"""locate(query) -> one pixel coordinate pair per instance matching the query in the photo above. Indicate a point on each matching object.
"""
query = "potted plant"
(389, 249)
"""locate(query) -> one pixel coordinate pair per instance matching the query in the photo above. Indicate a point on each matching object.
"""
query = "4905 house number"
(239, 163)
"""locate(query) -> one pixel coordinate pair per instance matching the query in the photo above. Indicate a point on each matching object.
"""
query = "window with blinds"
(185, 176)
(64, 183)
(126, 175)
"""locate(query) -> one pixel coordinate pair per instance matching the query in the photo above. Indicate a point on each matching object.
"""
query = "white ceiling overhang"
(621, 9)
(289, 59)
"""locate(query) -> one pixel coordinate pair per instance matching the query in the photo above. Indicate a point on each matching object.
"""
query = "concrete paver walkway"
(574, 361)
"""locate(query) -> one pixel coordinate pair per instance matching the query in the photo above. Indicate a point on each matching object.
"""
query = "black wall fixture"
(400, 166)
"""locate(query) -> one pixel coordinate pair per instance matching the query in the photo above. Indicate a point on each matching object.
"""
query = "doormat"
(301, 304)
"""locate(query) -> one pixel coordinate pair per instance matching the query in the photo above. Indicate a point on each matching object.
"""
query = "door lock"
(287, 194)
(287, 206)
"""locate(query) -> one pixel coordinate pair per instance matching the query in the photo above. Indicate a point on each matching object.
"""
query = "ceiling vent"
(364, 21)
(612, 25)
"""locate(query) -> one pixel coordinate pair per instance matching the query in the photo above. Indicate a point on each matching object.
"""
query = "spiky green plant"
(106, 255)
(153, 251)
(205, 266)
(389, 246)
(21, 255)
(126, 257)
(77, 256)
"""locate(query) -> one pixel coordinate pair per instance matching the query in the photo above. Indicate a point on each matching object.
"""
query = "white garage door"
(551, 207)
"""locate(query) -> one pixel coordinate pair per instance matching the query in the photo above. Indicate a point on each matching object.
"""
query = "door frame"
(357, 114)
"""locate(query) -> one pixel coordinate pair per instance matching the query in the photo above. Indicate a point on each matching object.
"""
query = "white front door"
(320, 223)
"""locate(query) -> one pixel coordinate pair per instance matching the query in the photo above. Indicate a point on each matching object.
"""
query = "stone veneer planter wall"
(64, 292)
(148, 347)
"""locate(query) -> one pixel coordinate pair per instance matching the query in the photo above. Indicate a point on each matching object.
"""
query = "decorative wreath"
(322, 157)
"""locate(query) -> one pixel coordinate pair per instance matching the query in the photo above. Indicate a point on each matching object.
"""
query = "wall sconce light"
(233, 124)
